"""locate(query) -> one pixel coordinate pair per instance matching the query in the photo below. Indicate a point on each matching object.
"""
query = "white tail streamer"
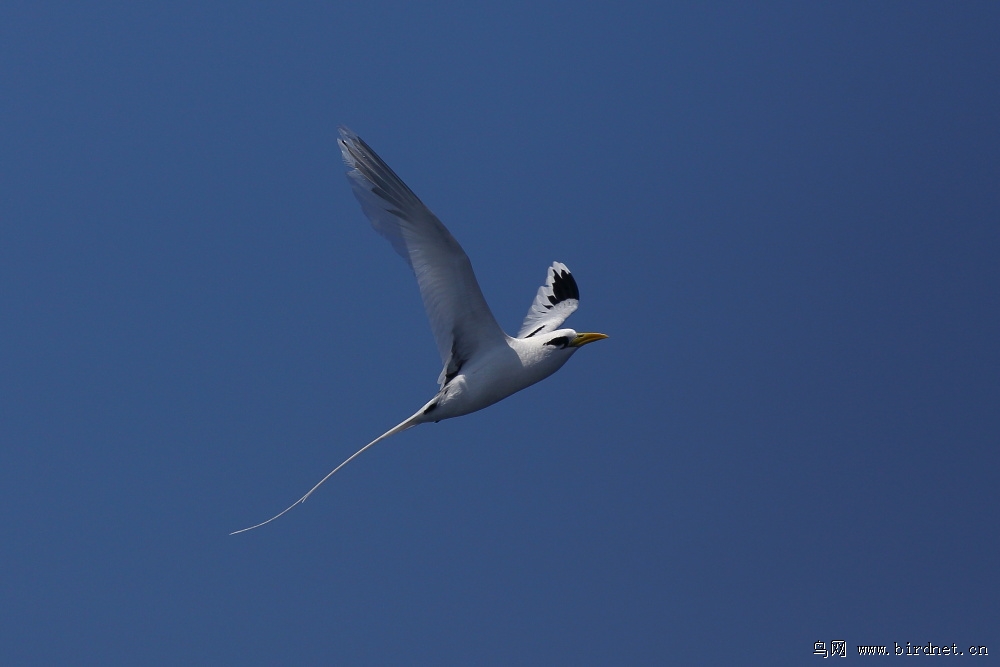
(412, 421)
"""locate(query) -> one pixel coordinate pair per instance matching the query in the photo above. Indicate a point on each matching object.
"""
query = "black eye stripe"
(559, 341)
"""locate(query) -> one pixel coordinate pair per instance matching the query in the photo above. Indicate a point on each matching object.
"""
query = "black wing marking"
(563, 287)
(554, 302)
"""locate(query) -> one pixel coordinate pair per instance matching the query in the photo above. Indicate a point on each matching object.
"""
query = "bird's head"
(570, 340)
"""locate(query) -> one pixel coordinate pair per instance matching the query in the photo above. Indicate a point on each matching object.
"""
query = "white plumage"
(481, 364)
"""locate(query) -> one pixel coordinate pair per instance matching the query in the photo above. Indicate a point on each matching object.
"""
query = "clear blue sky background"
(785, 215)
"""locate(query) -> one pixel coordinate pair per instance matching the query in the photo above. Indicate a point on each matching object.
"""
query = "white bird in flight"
(482, 364)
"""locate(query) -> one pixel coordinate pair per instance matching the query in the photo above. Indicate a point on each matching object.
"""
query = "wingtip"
(347, 141)
(346, 133)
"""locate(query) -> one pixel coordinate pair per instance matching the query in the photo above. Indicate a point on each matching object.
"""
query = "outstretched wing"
(460, 319)
(556, 300)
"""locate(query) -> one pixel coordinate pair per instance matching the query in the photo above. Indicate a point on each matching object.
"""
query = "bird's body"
(482, 364)
(495, 374)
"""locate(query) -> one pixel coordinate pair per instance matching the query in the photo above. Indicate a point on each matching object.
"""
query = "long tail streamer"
(412, 421)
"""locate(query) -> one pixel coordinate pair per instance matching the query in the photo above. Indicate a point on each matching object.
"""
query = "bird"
(481, 363)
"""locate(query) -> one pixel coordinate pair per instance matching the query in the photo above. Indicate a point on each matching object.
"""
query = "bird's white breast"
(495, 374)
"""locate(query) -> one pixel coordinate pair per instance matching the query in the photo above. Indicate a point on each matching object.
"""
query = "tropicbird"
(482, 364)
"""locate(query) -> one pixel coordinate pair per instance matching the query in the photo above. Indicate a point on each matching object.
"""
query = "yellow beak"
(584, 338)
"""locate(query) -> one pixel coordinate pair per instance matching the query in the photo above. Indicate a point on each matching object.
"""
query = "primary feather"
(555, 301)
(460, 319)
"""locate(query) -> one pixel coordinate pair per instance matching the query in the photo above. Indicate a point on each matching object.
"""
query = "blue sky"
(786, 216)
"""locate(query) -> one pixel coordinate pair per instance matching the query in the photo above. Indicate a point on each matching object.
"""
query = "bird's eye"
(560, 341)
